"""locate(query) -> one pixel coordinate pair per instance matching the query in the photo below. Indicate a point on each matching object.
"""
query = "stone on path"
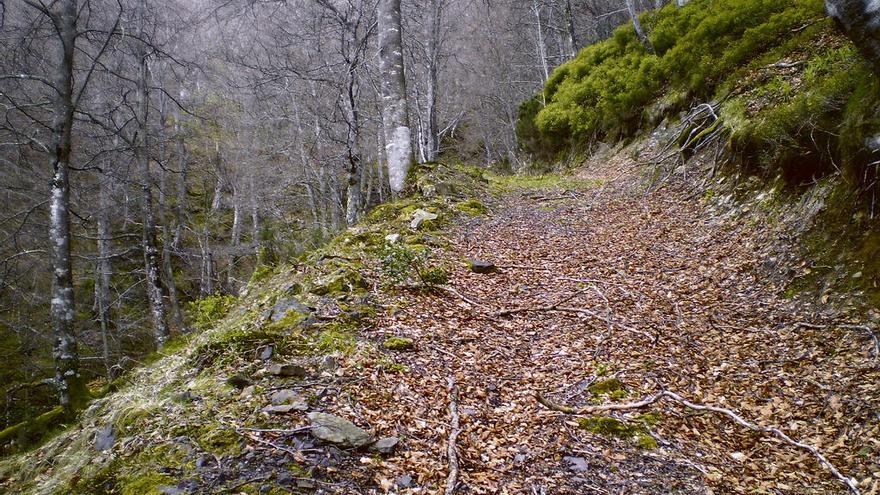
(333, 429)
(478, 266)
(295, 370)
(385, 445)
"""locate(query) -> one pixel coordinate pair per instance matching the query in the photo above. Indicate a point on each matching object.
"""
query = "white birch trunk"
(395, 121)
(151, 254)
(72, 392)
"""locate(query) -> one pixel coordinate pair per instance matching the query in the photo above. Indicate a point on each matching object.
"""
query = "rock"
(307, 484)
(340, 281)
(576, 464)
(336, 430)
(170, 490)
(399, 344)
(238, 381)
(284, 478)
(295, 370)
(285, 396)
(105, 438)
(404, 481)
(385, 445)
(328, 363)
(284, 306)
(287, 408)
(478, 266)
(420, 216)
(248, 392)
(267, 352)
(392, 238)
(860, 20)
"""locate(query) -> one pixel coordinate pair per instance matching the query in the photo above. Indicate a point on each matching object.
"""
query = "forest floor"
(603, 294)
(615, 295)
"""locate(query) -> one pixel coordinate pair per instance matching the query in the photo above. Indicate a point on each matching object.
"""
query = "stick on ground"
(703, 407)
(454, 429)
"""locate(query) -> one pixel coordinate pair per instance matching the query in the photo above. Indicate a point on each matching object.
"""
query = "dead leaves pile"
(674, 302)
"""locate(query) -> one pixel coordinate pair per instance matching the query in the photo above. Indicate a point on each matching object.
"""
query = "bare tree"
(395, 118)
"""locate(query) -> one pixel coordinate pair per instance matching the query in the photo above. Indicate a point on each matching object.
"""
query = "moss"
(508, 183)
(645, 441)
(334, 340)
(609, 386)
(343, 280)
(208, 311)
(261, 273)
(398, 344)
(231, 344)
(219, 440)
(472, 207)
(33, 431)
(147, 484)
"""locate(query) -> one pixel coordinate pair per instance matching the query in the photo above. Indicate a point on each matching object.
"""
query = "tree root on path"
(665, 394)
(454, 430)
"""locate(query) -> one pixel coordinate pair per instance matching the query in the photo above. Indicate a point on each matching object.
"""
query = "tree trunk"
(432, 138)
(634, 15)
(167, 239)
(573, 42)
(353, 176)
(541, 46)
(860, 20)
(104, 272)
(151, 254)
(395, 121)
(72, 391)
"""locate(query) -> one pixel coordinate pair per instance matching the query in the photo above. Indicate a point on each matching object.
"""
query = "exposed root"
(665, 394)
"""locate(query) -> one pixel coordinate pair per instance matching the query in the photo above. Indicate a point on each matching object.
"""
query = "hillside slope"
(601, 295)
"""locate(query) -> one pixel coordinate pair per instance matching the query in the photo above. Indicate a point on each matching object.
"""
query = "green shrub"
(605, 90)
(401, 263)
(207, 311)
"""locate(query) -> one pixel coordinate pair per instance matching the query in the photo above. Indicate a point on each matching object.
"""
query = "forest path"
(672, 301)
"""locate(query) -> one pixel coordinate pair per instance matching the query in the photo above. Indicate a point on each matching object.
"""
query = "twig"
(461, 296)
(875, 352)
(703, 407)
(441, 350)
(454, 430)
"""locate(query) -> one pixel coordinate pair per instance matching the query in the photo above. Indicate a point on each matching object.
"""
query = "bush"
(605, 90)
(209, 310)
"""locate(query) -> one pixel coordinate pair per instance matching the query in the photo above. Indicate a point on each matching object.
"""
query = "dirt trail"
(675, 302)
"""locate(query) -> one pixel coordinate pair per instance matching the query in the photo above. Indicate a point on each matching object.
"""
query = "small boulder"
(295, 370)
(404, 481)
(399, 344)
(328, 363)
(105, 438)
(266, 353)
(421, 216)
(339, 431)
(286, 408)
(283, 307)
(478, 266)
(248, 392)
(576, 464)
(238, 381)
(285, 396)
(385, 445)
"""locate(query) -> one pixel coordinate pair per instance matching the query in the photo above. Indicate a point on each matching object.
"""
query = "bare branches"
(736, 418)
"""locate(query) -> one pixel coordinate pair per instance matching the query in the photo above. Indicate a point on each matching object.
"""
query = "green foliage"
(209, 310)
(401, 263)
(606, 89)
(636, 431)
(398, 344)
(334, 340)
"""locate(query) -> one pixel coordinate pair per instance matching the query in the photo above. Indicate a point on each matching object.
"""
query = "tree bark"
(395, 120)
(860, 20)
(167, 239)
(151, 254)
(353, 176)
(104, 272)
(432, 133)
(72, 391)
(637, 25)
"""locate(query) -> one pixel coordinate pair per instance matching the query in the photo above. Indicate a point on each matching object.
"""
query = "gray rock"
(105, 438)
(285, 396)
(286, 408)
(860, 20)
(420, 216)
(248, 392)
(404, 481)
(282, 307)
(328, 363)
(576, 464)
(284, 478)
(295, 370)
(385, 445)
(339, 431)
(267, 353)
(170, 490)
(478, 266)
